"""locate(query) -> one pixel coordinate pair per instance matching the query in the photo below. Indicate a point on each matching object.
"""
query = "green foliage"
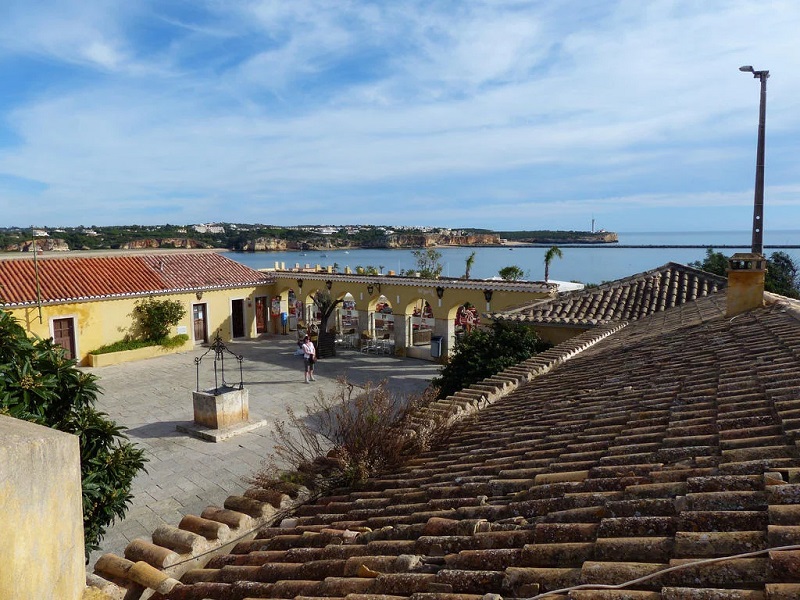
(176, 341)
(122, 345)
(38, 384)
(544, 236)
(157, 316)
(368, 270)
(485, 352)
(428, 264)
(714, 262)
(470, 262)
(782, 277)
(511, 273)
(326, 305)
(553, 252)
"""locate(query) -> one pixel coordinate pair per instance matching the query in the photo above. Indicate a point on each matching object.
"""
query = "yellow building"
(83, 303)
(407, 316)
(86, 302)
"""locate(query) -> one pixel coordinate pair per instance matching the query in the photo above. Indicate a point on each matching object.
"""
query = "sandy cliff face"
(162, 243)
(42, 245)
(436, 239)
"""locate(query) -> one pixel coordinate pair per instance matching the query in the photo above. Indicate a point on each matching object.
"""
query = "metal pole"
(758, 203)
(36, 275)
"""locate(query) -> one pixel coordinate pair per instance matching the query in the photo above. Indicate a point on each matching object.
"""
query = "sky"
(499, 114)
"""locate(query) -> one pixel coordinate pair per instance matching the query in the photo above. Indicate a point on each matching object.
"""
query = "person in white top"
(309, 358)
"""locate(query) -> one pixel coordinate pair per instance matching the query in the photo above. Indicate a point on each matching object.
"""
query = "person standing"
(309, 358)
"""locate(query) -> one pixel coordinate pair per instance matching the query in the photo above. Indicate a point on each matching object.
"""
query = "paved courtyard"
(185, 474)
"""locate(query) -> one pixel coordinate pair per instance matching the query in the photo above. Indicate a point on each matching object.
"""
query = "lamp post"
(758, 207)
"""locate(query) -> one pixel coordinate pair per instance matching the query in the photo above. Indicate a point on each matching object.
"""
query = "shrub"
(485, 352)
(122, 345)
(175, 341)
(38, 384)
(128, 344)
(349, 436)
(157, 316)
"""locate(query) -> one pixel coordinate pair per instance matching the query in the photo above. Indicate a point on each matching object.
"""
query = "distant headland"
(265, 238)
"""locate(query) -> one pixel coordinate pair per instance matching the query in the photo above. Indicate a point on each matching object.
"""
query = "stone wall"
(40, 513)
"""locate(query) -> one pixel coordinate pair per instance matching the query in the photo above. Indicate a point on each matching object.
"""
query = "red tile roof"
(71, 279)
(623, 452)
(625, 299)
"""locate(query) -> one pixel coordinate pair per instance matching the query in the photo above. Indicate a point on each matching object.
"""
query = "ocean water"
(590, 264)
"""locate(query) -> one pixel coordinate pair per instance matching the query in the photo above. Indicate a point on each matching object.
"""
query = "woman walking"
(309, 358)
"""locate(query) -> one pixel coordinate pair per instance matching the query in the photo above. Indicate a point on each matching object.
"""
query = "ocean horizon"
(586, 264)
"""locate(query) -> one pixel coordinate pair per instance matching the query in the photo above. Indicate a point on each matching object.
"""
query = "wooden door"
(261, 314)
(237, 318)
(200, 323)
(64, 335)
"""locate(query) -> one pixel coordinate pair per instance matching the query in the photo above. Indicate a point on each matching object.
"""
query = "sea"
(635, 252)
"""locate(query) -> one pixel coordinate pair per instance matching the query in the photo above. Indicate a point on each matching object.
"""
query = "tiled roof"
(625, 299)
(448, 283)
(624, 452)
(71, 279)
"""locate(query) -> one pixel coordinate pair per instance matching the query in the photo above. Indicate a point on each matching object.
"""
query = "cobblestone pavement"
(185, 474)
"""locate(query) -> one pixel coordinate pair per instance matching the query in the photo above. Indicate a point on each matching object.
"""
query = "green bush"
(121, 346)
(157, 316)
(485, 352)
(38, 384)
(175, 341)
(128, 344)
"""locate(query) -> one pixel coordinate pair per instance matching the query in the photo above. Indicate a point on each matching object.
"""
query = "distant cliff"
(437, 239)
(149, 243)
(605, 237)
(42, 245)
(267, 244)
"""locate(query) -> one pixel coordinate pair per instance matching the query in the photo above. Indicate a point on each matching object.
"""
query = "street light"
(758, 204)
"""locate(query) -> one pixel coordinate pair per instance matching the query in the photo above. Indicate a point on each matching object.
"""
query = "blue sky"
(504, 114)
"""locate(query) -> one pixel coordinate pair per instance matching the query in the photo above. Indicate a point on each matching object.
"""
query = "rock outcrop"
(42, 245)
(149, 243)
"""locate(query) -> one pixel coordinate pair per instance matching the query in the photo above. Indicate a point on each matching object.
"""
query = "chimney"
(746, 273)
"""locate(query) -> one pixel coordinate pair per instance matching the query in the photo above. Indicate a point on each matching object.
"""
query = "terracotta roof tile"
(74, 279)
(654, 445)
(627, 299)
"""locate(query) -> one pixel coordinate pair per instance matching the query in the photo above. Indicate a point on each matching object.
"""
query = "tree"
(511, 273)
(428, 263)
(157, 316)
(326, 341)
(553, 252)
(470, 262)
(38, 384)
(782, 275)
(485, 352)
(714, 262)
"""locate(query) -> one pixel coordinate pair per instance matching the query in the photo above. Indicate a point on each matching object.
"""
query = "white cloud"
(495, 104)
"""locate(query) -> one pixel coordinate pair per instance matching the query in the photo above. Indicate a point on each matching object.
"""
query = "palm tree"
(552, 253)
(470, 262)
